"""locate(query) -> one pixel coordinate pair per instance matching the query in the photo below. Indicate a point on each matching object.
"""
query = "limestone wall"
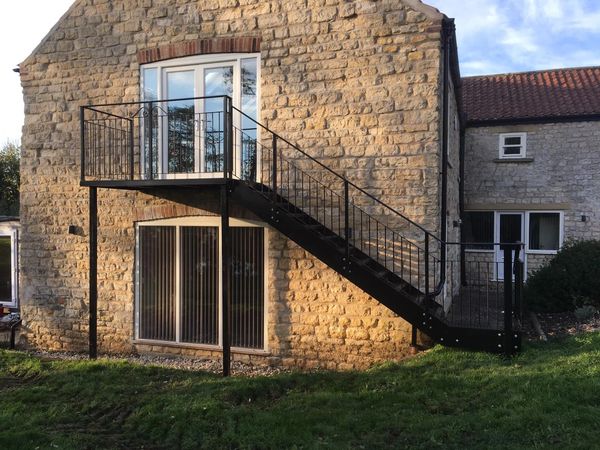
(356, 84)
(561, 173)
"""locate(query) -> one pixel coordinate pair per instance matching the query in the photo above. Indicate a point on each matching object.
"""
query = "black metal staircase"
(395, 260)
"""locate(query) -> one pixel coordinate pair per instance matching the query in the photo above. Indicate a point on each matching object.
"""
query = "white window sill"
(513, 160)
(207, 347)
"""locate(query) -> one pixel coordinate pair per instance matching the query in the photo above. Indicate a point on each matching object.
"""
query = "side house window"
(513, 145)
(478, 228)
(8, 269)
(544, 231)
(179, 285)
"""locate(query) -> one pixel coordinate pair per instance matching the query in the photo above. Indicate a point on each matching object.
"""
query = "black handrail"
(279, 166)
(342, 178)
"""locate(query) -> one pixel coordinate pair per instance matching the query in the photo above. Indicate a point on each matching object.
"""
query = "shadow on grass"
(547, 396)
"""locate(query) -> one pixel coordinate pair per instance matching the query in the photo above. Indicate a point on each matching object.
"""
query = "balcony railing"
(167, 140)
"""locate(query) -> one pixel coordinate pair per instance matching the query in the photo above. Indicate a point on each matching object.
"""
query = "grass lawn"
(549, 396)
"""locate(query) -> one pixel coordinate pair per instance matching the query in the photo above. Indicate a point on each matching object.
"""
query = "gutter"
(533, 120)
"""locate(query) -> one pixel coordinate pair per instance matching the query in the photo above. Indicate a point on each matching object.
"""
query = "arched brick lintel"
(248, 44)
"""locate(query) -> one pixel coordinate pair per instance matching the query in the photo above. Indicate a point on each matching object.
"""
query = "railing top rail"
(89, 108)
(144, 102)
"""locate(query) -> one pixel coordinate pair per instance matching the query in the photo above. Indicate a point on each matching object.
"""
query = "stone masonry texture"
(354, 83)
(563, 175)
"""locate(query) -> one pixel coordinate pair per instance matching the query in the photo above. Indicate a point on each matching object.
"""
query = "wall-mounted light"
(584, 218)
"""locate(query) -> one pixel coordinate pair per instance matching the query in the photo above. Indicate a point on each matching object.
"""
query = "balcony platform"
(156, 183)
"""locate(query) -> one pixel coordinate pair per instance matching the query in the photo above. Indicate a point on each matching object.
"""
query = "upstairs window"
(513, 145)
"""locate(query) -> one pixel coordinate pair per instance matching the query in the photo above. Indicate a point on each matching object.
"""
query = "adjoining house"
(9, 264)
(280, 180)
(532, 160)
(9, 279)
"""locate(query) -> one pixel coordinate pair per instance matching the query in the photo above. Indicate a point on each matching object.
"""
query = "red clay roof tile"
(548, 94)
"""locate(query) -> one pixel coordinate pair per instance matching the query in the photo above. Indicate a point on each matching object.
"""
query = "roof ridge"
(557, 69)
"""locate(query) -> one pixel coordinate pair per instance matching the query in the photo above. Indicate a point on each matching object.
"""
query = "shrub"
(569, 280)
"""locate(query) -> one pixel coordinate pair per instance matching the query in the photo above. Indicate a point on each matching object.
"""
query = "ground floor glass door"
(179, 285)
(189, 123)
(509, 230)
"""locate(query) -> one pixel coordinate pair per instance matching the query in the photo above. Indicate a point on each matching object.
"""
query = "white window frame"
(561, 232)
(197, 63)
(14, 258)
(200, 221)
(522, 147)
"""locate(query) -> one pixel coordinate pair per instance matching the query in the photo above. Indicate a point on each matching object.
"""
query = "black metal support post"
(427, 264)
(226, 280)
(82, 140)
(131, 152)
(347, 220)
(519, 275)
(93, 275)
(150, 140)
(413, 339)
(508, 293)
(230, 139)
(274, 168)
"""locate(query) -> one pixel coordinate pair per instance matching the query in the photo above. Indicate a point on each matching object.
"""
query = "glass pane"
(249, 107)
(510, 228)
(247, 306)
(515, 140)
(150, 134)
(150, 83)
(479, 227)
(218, 81)
(180, 122)
(157, 283)
(5, 269)
(512, 150)
(544, 231)
(199, 285)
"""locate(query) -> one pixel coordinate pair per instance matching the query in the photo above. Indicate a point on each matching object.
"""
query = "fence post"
(508, 298)
(426, 265)
(274, 168)
(519, 276)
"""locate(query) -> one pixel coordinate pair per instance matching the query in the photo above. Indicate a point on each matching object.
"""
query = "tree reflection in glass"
(180, 128)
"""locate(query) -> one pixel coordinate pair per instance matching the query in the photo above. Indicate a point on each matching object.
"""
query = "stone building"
(532, 160)
(306, 180)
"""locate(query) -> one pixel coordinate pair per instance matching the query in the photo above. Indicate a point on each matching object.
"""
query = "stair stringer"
(407, 304)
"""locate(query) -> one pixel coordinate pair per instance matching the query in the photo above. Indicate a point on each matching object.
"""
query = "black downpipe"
(461, 205)
(446, 37)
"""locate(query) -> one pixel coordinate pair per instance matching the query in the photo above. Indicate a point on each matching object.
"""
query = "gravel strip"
(238, 368)
(562, 324)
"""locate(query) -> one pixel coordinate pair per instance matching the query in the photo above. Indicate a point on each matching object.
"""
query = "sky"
(494, 36)
(500, 36)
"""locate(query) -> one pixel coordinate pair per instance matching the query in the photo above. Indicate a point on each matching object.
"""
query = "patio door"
(193, 129)
(510, 228)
